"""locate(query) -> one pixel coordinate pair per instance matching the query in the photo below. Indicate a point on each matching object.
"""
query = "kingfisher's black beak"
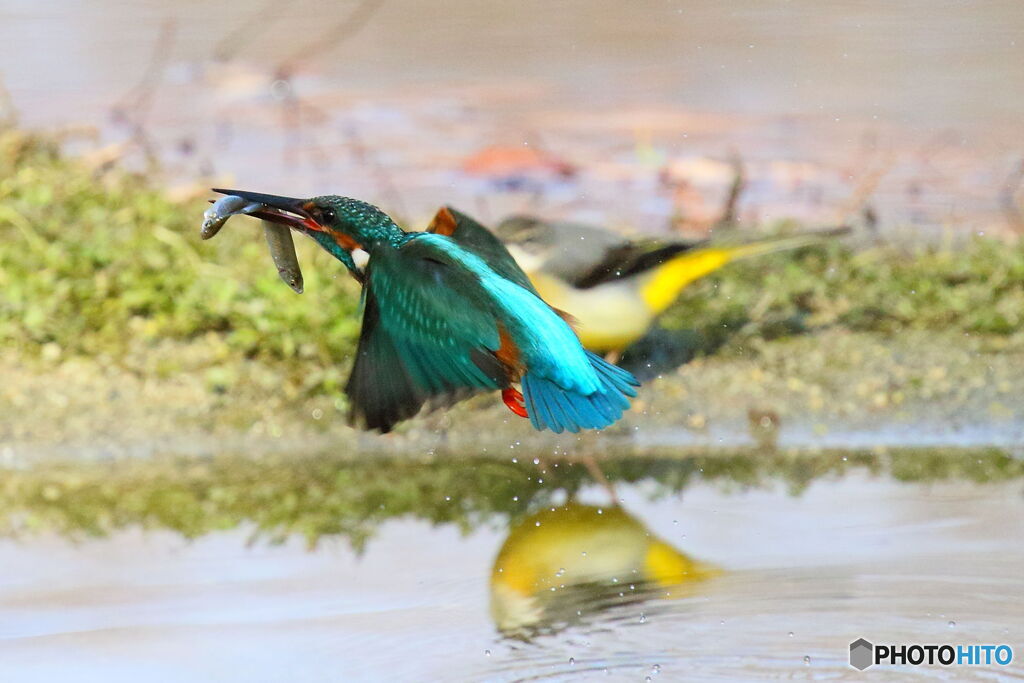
(295, 213)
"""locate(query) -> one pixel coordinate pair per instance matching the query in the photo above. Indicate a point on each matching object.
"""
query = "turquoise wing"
(429, 337)
(475, 238)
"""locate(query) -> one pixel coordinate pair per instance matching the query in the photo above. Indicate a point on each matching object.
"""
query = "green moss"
(106, 266)
(103, 265)
(976, 288)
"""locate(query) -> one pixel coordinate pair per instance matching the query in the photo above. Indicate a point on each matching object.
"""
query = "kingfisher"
(448, 313)
(614, 287)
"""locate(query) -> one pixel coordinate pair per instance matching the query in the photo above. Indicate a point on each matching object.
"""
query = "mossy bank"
(120, 330)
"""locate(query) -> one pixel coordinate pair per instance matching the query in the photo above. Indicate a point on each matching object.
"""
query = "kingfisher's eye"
(328, 215)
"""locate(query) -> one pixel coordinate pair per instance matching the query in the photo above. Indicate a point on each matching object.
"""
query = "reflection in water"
(819, 548)
(329, 495)
(564, 563)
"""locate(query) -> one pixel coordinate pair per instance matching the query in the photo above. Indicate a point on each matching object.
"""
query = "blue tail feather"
(531, 406)
(605, 408)
(552, 407)
(570, 417)
(623, 380)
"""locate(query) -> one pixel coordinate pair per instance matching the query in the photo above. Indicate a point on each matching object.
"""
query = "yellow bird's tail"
(664, 283)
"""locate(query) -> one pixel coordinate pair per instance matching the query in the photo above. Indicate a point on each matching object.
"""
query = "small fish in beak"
(279, 237)
(225, 207)
(282, 250)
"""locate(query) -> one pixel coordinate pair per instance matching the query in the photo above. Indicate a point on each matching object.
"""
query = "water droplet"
(515, 460)
(807, 660)
(790, 634)
(536, 461)
(448, 498)
(572, 661)
(643, 618)
(515, 499)
(951, 624)
(537, 523)
(487, 653)
(560, 572)
(584, 553)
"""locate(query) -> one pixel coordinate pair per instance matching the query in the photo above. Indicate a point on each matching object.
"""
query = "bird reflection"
(563, 565)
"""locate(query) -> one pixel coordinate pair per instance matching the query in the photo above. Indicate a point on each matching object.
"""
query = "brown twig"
(865, 187)
(590, 463)
(231, 44)
(870, 217)
(134, 107)
(294, 106)
(8, 112)
(388, 188)
(293, 121)
(137, 101)
(729, 215)
(1008, 199)
(331, 39)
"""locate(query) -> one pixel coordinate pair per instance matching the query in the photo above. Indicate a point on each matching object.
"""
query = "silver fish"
(217, 215)
(282, 250)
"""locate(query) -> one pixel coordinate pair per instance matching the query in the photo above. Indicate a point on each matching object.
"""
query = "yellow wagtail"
(615, 287)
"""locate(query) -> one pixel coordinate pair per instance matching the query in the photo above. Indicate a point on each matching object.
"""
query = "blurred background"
(827, 445)
(576, 105)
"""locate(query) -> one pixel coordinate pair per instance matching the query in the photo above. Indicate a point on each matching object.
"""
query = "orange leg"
(514, 400)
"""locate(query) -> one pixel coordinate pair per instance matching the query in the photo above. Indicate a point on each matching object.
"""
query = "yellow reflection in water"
(561, 564)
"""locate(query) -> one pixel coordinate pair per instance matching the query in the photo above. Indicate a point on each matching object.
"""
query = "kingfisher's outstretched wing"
(475, 238)
(430, 336)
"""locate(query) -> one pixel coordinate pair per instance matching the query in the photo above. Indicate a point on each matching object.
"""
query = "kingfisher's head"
(338, 224)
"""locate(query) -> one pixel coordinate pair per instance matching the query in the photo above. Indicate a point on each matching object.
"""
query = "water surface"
(708, 567)
(913, 61)
(916, 104)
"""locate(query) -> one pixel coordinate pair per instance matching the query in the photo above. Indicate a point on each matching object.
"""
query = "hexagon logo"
(862, 654)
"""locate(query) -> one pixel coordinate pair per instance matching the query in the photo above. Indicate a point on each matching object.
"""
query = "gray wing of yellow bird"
(565, 250)
(615, 287)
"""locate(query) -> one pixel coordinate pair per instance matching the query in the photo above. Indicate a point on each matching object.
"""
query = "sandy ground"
(826, 389)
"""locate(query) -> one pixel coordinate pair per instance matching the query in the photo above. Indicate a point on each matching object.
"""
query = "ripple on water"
(721, 582)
